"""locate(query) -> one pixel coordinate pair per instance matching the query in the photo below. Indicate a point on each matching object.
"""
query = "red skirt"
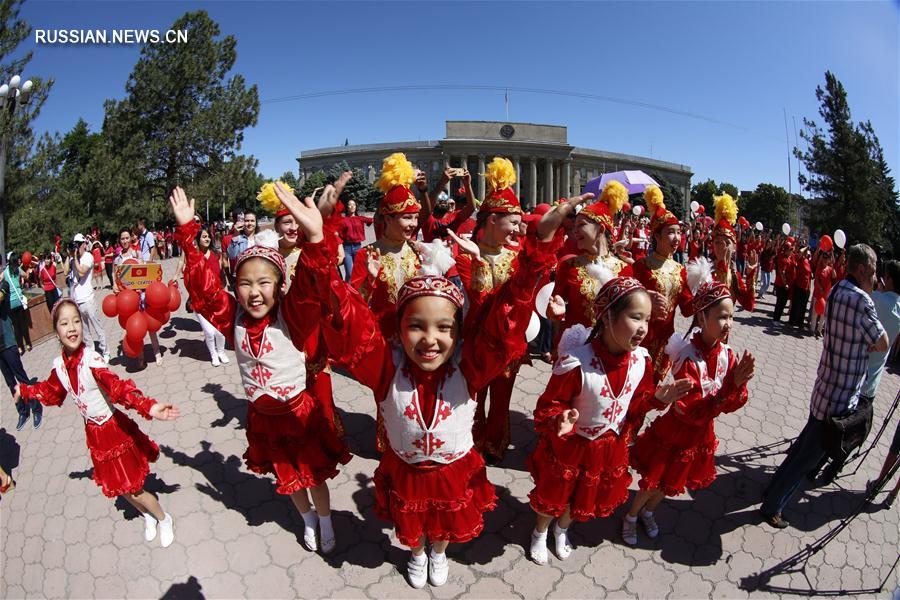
(589, 477)
(121, 454)
(440, 502)
(301, 446)
(672, 454)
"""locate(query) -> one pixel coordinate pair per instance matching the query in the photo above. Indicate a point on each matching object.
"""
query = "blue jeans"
(766, 281)
(350, 250)
(805, 454)
(13, 373)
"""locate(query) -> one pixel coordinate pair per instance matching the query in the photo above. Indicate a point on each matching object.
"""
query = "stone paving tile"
(235, 537)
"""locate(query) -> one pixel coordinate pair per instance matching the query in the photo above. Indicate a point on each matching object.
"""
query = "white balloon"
(637, 210)
(543, 299)
(840, 238)
(759, 226)
(534, 327)
(694, 206)
(786, 229)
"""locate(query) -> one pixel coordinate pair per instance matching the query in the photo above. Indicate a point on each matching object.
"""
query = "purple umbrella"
(634, 181)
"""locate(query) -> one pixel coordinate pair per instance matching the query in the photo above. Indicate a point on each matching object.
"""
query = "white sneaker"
(563, 547)
(649, 524)
(438, 570)
(167, 531)
(149, 527)
(309, 533)
(629, 532)
(106, 358)
(538, 551)
(417, 573)
(215, 361)
(224, 358)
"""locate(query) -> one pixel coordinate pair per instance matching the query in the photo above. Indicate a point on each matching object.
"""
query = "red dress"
(381, 292)
(299, 441)
(678, 450)
(576, 286)
(120, 451)
(669, 279)
(590, 477)
(445, 502)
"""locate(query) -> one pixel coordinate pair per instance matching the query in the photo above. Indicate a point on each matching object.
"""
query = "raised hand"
(466, 245)
(164, 411)
(373, 262)
(670, 392)
(182, 209)
(422, 181)
(659, 305)
(556, 308)
(567, 420)
(743, 370)
(305, 213)
(342, 182)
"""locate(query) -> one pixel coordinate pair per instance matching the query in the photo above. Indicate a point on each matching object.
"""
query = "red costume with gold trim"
(742, 289)
(423, 490)
(297, 436)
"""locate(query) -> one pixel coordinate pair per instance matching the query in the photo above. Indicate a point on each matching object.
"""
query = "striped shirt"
(851, 326)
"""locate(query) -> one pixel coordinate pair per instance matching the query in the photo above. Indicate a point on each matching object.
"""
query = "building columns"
(532, 182)
(566, 177)
(550, 189)
(481, 177)
(518, 175)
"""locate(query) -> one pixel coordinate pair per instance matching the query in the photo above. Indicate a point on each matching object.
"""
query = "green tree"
(234, 186)
(181, 120)
(768, 204)
(366, 195)
(672, 195)
(705, 192)
(846, 174)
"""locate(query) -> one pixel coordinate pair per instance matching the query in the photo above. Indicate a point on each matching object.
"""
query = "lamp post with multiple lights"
(11, 97)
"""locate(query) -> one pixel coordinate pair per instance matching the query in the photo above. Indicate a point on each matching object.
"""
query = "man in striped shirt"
(852, 331)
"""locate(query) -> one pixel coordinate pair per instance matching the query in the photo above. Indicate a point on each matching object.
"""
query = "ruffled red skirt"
(590, 477)
(440, 502)
(672, 454)
(301, 446)
(121, 454)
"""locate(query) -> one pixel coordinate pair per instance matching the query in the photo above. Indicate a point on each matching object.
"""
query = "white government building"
(548, 167)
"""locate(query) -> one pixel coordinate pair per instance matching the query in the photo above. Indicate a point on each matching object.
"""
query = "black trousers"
(21, 320)
(52, 297)
(799, 300)
(781, 298)
(13, 373)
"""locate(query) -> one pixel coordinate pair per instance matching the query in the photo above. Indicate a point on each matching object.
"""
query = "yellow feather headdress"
(653, 196)
(500, 174)
(268, 199)
(396, 170)
(726, 209)
(615, 195)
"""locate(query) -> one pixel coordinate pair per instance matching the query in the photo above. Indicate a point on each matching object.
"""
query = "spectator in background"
(800, 292)
(97, 253)
(10, 363)
(83, 295)
(47, 275)
(145, 241)
(109, 254)
(21, 320)
(353, 234)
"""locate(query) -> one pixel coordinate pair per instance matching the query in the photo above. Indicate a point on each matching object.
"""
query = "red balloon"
(157, 295)
(132, 349)
(166, 317)
(26, 258)
(128, 302)
(820, 306)
(123, 321)
(826, 243)
(109, 306)
(701, 210)
(174, 299)
(626, 207)
(153, 323)
(136, 327)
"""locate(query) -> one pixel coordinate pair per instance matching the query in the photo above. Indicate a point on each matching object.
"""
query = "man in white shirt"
(83, 295)
(146, 240)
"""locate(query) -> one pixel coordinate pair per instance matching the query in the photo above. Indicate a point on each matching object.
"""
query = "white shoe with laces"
(224, 358)
(538, 551)
(167, 531)
(417, 572)
(561, 537)
(149, 527)
(649, 523)
(438, 570)
(309, 534)
(215, 361)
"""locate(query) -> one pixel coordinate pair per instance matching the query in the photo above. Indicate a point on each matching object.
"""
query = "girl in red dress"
(601, 388)
(742, 287)
(120, 451)
(578, 277)
(678, 449)
(431, 482)
(292, 431)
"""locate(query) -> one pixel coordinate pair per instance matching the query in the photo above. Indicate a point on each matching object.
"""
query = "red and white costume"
(586, 470)
(678, 449)
(120, 451)
(292, 429)
(431, 480)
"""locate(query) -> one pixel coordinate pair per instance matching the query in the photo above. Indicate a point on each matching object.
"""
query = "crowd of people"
(435, 317)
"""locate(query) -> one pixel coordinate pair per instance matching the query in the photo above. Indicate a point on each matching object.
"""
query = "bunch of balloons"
(160, 301)
(26, 259)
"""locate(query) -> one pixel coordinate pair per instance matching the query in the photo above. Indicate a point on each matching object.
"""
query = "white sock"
(438, 557)
(310, 520)
(647, 513)
(326, 529)
(539, 534)
(630, 519)
(562, 541)
(419, 559)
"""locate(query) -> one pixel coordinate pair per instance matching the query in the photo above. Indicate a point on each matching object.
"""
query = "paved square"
(235, 537)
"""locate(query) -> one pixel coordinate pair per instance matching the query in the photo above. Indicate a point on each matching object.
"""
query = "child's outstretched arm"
(554, 413)
(49, 392)
(207, 295)
(125, 393)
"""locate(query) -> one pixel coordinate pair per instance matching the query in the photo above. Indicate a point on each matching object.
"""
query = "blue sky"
(740, 64)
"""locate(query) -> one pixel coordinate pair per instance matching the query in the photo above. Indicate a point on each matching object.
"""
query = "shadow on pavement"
(359, 429)
(233, 409)
(152, 484)
(185, 324)
(9, 451)
(511, 522)
(194, 349)
(189, 590)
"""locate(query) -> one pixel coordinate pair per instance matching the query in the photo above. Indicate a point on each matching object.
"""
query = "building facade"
(548, 167)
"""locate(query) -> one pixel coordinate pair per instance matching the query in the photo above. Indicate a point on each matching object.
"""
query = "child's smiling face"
(258, 283)
(428, 331)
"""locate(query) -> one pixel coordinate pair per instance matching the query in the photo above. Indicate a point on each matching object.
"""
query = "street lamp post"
(11, 96)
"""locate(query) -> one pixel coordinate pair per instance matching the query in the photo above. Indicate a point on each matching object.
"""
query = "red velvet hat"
(613, 197)
(612, 291)
(397, 174)
(261, 251)
(708, 294)
(660, 216)
(500, 176)
(429, 285)
(398, 201)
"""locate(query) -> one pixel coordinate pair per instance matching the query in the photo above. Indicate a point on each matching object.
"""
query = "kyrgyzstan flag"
(139, 272)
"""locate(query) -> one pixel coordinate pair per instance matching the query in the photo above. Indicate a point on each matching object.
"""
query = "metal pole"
(3, 144)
